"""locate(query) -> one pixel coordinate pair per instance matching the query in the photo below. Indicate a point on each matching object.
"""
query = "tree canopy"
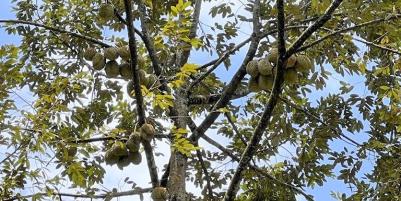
(242, 100)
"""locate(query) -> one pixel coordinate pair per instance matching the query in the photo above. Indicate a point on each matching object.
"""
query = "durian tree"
(255, 100)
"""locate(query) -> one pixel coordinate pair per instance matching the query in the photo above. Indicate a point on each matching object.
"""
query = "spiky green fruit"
(106, 12)
(111, 53)
(98, 61)
(110, 158)
(265, 82)
(123, 162)
(124, 53)
(303, 64)
(253, 84)
(143, 77)
(72, 151)
(133, 142)
(147, 132)
(291, 76)
(273, 55)
(291, 62)
(135, 158)
(252, 68)
(152, 81)
(89, 53)
(125, 71)
(131, 89)
(265, 67)
(119, 149)
(159, 193)
(112, 70)
(141, 62)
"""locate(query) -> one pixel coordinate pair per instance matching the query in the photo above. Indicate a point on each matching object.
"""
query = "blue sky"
(139, 173)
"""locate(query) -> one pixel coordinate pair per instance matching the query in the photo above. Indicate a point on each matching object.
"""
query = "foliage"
(339, 120)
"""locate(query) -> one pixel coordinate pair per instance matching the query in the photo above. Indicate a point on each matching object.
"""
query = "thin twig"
(87, 38)
(207, 177)
(379, 46)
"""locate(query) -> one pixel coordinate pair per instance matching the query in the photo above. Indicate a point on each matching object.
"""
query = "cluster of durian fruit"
(106, 12)
(108, 61)
(123, 154)
(262, 71)
(159, 194)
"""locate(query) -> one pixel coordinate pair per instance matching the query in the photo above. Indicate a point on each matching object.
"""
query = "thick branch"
(347, 29)
(258, 170)
(379, 46)
(87, 38)
(102, 139)
(265, 119)
(138, 94)
(101, 196)
(211, 99)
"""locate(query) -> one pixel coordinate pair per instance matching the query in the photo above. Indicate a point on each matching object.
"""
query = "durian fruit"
(159, 194)
(119, 149)
(111, 53)
(125, 70)
(252, 68)
(140, 62)
(135, 157)
(253, 85)
(291, 62)
(152, 81)
(124, 161)
(124, 53)
(303, 63)
(110, 158)
(291, 76)
(89, 53)
(265, 67)
(147, 131)
(72, 151)
(130, 89)
(143, 77)
(112, 70)
(265, 82)
(98, 61)
(273, 55)
(106, 11)
(133, 142)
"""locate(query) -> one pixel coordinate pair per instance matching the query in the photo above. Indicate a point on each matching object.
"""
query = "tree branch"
(258, 170)
(150, 46)
(101, 196)
(138, 94)
(272, 101)
(347, 29)
(234, 83)
(210, 99)
(87, 38)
